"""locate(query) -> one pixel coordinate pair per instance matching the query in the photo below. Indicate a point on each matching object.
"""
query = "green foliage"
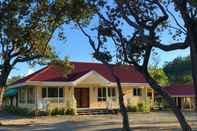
(17, 110)
(179, 70)
(61, 111)
(140, 107)
(64, 64)
(53, 112)
(13, 79)
(69, 111)
(27, 26)
(131, 108)
(103, 56)
(146, 105)
(159, 75)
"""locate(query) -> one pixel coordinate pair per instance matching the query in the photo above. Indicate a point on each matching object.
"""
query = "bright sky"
(77, 48)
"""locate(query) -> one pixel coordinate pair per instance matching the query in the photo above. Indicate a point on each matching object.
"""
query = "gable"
(92, 78)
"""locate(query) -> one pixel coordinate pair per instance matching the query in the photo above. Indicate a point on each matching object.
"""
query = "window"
(44, 92)
(102, 93)
(111, 92)
(137, 92)
(30, 95)
(52, 92)
(22, 95)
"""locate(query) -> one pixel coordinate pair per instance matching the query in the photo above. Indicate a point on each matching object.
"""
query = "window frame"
(46, 94)
(30, 99)
(22, 98)
(137, 91)
(103, 93)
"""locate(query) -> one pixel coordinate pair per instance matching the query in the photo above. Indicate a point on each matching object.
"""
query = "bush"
(53, 111)
(140, 107)
(131, 108)
(115, 111)
(144, 106)
(17, 110)
(61, 111)
(69, 111)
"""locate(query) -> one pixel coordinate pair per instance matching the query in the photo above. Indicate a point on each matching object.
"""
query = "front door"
(82, 97)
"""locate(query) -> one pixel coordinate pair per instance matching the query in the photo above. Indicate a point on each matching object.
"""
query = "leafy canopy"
(27, 26)
(179, 70)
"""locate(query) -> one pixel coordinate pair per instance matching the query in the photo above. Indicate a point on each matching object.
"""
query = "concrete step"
(92, 111)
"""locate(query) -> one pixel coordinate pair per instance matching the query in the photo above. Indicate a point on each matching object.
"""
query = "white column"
(58, 100)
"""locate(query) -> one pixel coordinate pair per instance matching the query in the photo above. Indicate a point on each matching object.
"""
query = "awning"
(10, 92)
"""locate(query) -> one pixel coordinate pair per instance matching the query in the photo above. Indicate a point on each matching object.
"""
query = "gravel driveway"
(154, 121)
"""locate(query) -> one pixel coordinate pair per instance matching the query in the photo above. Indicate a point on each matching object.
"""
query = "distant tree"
(27, 26)
(159, 76)
(179, 70)
(66, 66)
(13, 79)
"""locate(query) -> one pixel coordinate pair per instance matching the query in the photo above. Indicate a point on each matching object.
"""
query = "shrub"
(69, 111)
(146, 105)
(140, 107)
(53, 111)
(17, 110)
(61, 111)
(115, 111)
(131, 108)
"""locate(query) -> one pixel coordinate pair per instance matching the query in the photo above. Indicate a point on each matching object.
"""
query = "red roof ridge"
(39, 72)
(97, 63)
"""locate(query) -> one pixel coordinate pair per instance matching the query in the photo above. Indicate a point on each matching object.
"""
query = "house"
(88, 86)
(183, 95)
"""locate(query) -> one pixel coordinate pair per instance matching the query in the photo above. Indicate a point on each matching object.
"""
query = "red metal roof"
(127, 74)
(180, 90)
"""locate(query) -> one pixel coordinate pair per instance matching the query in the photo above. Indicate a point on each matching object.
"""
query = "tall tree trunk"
(1, 98)
(191, 26)
(180, 117)
(123, 110)
(3, 79)
(193, 54)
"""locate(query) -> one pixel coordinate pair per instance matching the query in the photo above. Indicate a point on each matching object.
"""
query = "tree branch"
(173, 46)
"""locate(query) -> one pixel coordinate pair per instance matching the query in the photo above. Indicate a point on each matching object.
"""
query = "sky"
(76, 47)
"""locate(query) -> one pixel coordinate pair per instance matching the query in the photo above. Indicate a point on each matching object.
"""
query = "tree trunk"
(123, 109)
(193, 54)
(180, 117)
(3, 79)
(1, 98)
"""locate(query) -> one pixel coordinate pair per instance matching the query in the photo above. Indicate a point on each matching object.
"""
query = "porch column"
(107, 99)
(152, 97)
(145, 92)
(58, 98)
(38, 96)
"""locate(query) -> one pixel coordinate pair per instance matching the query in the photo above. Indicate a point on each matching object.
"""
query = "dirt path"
(162, 121)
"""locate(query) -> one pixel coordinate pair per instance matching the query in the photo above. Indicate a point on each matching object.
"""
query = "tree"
(143, 20)
(159, 76)
(13, 79)
(187, 11)
(106, 58)
(26, 27)
(179, 70)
